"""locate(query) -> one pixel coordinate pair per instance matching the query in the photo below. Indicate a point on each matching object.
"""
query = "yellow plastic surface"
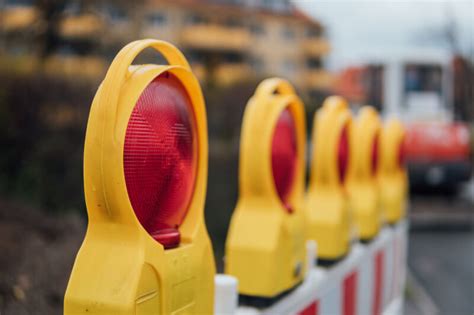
(392, 177)
(361, 183)
(327, 209)
(265, 246)
(120, 268)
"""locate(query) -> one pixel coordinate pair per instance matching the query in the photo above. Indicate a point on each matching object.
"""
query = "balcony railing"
(225, 73)
(231, 73)
(215, 37)
(17, 18)
(86, 25)
(92, 67)
(318, 78)
(316, 47)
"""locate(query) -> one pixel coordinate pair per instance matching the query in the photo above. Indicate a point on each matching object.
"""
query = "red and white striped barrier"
(369, 281)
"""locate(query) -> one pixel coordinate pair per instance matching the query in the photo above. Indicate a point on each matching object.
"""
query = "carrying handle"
(274, 86)
(117, 72)
(109, 97)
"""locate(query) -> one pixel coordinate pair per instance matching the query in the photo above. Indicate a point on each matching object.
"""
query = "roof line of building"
(293, 12)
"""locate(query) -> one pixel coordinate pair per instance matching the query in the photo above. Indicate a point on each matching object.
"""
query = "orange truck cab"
(437, 154)
(417, 86)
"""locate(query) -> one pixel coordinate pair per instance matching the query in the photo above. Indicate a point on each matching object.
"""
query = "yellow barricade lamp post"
(392, 176)
(146, 250)
(361, 181)
(265, 248)
(327, 211)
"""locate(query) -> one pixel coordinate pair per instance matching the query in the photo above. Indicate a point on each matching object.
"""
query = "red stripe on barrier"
(311, 309)
(350, 294)
(378, 283)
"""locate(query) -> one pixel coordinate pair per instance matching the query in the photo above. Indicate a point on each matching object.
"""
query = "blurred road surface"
(443, 263)
(441, 252)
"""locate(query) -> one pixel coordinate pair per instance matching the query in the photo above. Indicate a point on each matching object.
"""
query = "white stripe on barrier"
(369, 281)
(389, 272)
(394, 291)
(330, 303)
(364, 286)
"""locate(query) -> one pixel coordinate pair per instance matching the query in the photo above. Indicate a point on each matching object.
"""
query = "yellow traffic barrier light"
(265, 246)
(392, 176)
(326, 206)
(361, 182)
(146, 250)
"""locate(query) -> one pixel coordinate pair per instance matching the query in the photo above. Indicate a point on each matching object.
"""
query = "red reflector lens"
(402, 153)
(169, 238)
(343, 153)
(284, 156)
(375, 154)
(160, 158)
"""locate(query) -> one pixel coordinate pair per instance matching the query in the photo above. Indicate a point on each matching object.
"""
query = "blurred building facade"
(224, 40)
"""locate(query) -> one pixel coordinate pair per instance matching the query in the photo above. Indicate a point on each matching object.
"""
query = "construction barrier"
(368, 281)
(327, 207)
(265, 248)
(338, 248)
(146, 250)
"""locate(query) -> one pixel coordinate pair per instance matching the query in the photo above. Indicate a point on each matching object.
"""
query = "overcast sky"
(357, 26)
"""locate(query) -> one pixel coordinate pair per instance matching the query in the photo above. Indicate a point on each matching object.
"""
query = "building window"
(194, 57)
(116, 14)
(314, 63)
(257, 64)
(18, 3)
(288, 66)
(276, 5)
(232, 58)
(257, 28)
(156, 19)
(288, 32)
(73, 8)
(317, 96)
(233, 23)
(195, 19)
(313, 32)
(66, 50)
(268, 3)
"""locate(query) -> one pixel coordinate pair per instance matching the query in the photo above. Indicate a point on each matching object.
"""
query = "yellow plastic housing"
(392, 176)
(265, 246)
(120, 268)
(327, 209)
(361, 183)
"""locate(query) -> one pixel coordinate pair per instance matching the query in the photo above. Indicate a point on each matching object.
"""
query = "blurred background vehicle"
(420, 87)
(54, 53)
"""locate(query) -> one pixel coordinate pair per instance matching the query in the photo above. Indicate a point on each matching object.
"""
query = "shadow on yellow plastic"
(327, 210)
(361, 181)
(120, 268)
(392, 176)
(265, 246)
